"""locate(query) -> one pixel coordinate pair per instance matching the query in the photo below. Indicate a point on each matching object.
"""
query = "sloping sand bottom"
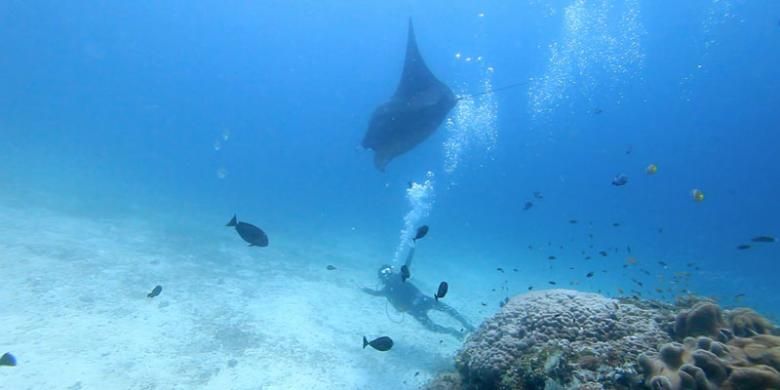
(74, 311)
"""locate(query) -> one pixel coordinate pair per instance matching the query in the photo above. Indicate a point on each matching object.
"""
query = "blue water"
(183, 113)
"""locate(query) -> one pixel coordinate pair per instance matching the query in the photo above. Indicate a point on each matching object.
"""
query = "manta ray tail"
(233, 222)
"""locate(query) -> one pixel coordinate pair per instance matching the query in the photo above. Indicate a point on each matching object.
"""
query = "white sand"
(75, 314)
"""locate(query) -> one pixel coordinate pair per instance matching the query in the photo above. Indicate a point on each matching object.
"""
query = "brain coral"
(569, 337)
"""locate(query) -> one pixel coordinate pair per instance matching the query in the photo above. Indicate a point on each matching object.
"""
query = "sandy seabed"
(75, 313)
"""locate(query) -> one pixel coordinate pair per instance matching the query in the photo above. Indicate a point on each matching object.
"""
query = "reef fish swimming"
(442, 291)
(421, 232)
(383, 343)
(250, 233)
(7, 360)
(419, 105)
(764, 239)
(620, 180)
(405, 273)
(155, 292)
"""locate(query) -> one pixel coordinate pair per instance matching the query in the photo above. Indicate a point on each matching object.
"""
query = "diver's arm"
(409, 256)
(376, 293)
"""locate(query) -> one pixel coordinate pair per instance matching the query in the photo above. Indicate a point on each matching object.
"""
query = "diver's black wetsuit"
(406, 297)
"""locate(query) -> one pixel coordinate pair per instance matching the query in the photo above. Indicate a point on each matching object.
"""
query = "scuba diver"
(407, 298)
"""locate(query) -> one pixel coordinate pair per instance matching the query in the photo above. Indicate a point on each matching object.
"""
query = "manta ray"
(414, 112)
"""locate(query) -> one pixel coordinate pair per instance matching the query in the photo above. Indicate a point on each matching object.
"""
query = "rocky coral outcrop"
(558, 339)
(568, 336)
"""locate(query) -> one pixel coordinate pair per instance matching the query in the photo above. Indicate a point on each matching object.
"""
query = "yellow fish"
(697, 195)
(652, 169)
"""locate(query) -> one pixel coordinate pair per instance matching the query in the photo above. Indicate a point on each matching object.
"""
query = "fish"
(442, 291)
(550, 257)
(589, 274)
(743, 247)
(628, 248)
(483, 303)
(421, 232)
(250, 233)
(155, 292)
(620, 180)
(514, 269)
(527, 206)
(662, 264)
(603, 253)
(587, 257)
(7, 360)
(383, 343)
(638, 282)
(405, 274)
(552, 282)
(573, 221)
(499, 269)
(330, 267)
(616, 224)
(530, 288)
(764, 239)
(538, 195)
(596, 111)
(417, 108)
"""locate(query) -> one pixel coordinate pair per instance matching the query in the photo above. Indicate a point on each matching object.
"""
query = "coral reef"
(574, 338)
(563, 339)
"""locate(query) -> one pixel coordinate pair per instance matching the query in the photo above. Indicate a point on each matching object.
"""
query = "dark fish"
(514, 269)
(596, 111)
(589, 274)
(552, 282)
(155, 292)
(483, 303)
(587, 257)
(739, 296)
(421, 232)
(527, 206)
(499, 269)
(620, 180)
(764, 239)
(629, 149)
(442, 291)
(638, 282)
(405, 274)
(551, 257)
(538, 195)
(7, 360)
(330, 267)
(530, 288)
(250, 233)
(743, 247)
(628, 248)
(572, 221)
(383, 343)
(603, 253)
(616, 224)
